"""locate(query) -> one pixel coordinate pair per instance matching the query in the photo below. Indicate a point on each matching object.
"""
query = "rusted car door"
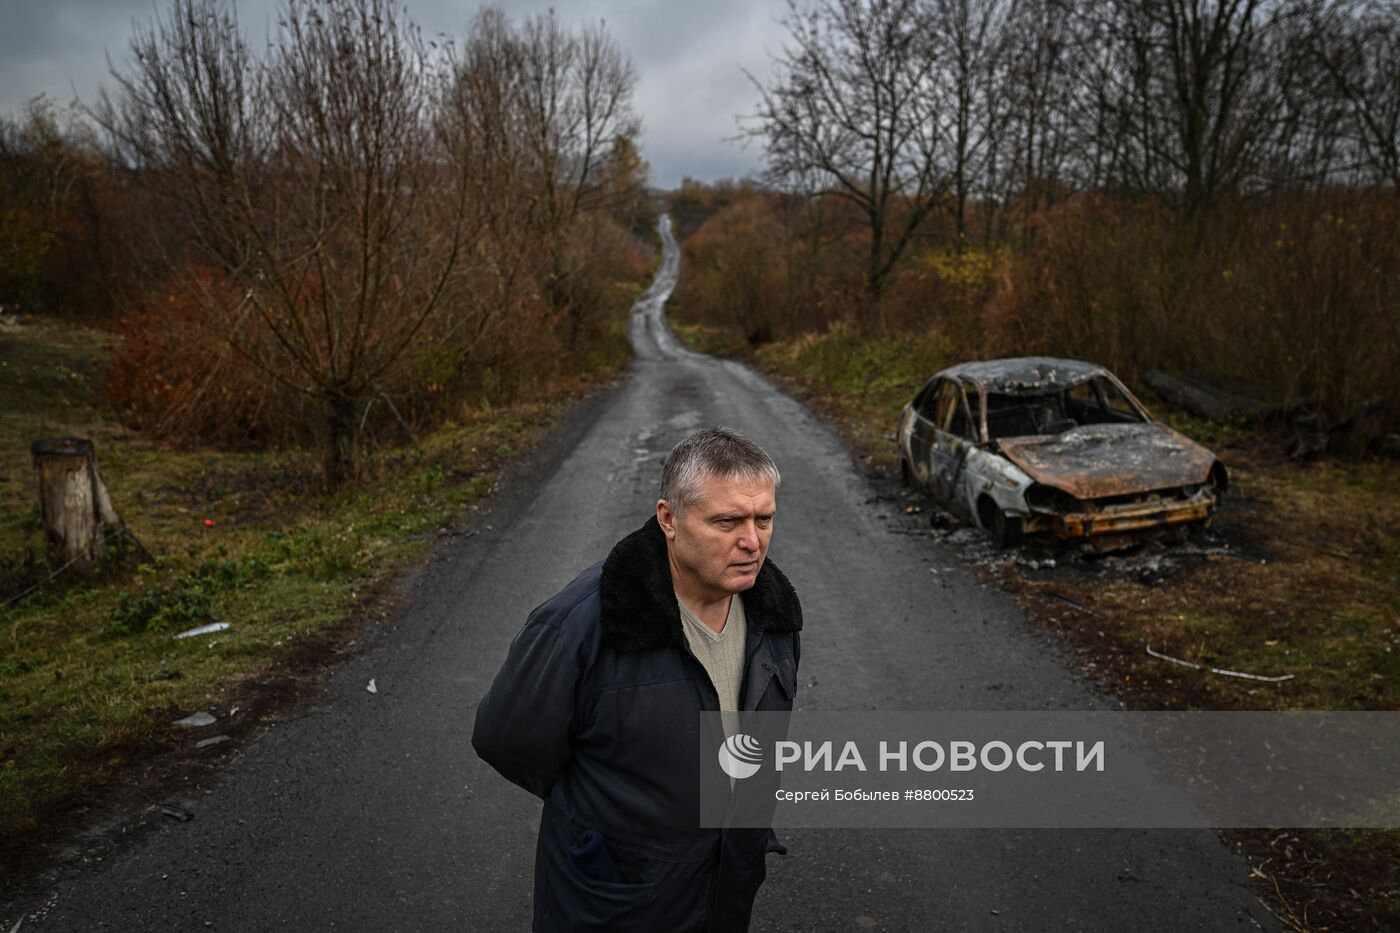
(953, 440)
(921, 433)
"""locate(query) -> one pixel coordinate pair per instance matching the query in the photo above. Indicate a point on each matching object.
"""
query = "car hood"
(1094, 461)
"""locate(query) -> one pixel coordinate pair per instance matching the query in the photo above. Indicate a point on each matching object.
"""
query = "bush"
(1296, 295)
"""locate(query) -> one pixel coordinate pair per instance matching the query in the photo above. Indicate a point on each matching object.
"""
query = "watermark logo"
(741, 756)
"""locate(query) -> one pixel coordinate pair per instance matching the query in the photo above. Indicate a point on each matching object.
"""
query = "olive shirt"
(721, 654)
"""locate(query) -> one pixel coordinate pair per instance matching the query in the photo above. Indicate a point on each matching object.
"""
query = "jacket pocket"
(575, 901)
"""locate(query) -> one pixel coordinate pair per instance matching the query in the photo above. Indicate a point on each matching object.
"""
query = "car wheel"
(1006, 529)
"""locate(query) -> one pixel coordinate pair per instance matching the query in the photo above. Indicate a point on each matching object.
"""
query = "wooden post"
(79, 520)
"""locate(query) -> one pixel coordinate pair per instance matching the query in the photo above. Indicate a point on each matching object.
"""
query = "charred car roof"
(1024, 373)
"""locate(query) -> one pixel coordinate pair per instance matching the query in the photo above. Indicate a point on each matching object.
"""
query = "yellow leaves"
(972, 269)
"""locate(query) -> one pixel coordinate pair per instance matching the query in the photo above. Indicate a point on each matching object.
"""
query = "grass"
(1311, 589)
(862, 381)
(716, 341)
(91, 673)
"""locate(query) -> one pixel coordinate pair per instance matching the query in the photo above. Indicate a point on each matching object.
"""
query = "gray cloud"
(688, 56)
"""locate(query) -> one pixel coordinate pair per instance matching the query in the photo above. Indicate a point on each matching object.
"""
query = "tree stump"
(81, 526)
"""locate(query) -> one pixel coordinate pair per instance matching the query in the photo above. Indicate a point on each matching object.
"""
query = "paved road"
(370, 811)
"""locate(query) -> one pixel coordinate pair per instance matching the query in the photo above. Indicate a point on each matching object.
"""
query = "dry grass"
(91, 675)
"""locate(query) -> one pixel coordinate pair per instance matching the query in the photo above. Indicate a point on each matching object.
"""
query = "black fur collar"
(639, 602)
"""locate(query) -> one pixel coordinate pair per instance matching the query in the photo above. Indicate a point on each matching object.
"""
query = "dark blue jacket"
(596, 711)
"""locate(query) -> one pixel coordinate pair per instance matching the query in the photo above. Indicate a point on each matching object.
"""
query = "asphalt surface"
(371, 812)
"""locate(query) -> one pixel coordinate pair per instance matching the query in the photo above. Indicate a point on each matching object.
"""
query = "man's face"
(719, 544)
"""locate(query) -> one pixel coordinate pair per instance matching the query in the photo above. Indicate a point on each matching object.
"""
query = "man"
(597, 708)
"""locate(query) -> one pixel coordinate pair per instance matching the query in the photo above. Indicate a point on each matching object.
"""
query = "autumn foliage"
(342, 237)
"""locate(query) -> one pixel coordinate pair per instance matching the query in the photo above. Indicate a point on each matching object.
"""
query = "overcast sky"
(688, 57)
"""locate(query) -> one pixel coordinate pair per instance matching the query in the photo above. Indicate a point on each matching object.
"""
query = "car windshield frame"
(984, 432)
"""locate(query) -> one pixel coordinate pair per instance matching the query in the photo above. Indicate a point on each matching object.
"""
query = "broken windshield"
(1095, 400)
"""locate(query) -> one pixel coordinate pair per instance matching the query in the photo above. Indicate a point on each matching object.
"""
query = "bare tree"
(1185, 89)
(485, 125)
(969, 39)
(1046, 110)
(576, 99)
(314, 185)
(1358, 47)
(190, 116)
(854, 104)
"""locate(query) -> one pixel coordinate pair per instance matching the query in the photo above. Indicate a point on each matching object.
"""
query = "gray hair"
(719, 452)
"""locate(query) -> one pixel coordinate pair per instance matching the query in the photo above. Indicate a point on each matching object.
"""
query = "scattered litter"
(176, 813)
(372, 688)
(212, 740)
(196, 720)
(1155, 569)
(1217, 670)
(15, 928)
(208, 523)
(203, 630)
(1074, 605)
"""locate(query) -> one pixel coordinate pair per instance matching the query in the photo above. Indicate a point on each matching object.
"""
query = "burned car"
(1056, 448)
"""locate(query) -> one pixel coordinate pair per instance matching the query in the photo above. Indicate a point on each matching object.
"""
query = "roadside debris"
(212, 740)
(372, 688)
(1206, 399)
(1217, 670)
(196, 720)
(1313, 436)
(176, 813)
(1145, 560)
(1074, 605)
(1229, 400)
(203, 630)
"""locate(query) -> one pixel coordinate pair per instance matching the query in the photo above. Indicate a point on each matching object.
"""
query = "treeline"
(348, 230)
(1200, 185)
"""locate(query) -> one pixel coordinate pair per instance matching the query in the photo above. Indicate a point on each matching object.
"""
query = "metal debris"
(197, 720)
(176, 813)
(1074, 605)
(1217, 670)
(203, 630)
